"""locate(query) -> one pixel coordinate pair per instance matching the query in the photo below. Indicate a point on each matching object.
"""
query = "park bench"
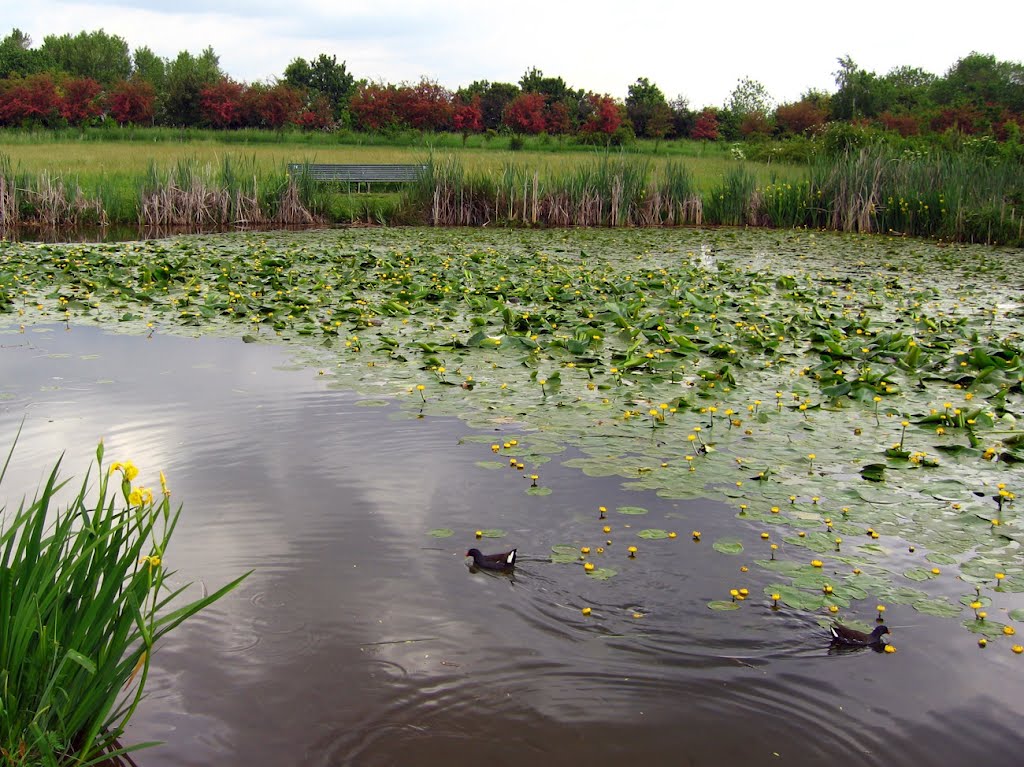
(357, 174)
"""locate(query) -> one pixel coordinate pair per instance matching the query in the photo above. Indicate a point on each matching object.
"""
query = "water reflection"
(361, 640)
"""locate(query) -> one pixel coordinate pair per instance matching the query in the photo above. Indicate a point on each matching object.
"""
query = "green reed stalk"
(84, 599)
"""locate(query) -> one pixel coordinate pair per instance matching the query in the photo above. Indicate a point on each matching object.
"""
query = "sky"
(695, 50)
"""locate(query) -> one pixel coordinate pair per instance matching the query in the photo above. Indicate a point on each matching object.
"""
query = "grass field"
(91, 161)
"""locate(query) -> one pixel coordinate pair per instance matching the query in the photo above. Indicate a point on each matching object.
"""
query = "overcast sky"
(695, 49)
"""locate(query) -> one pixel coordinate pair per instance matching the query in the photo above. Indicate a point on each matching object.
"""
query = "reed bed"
(952, 196)
(190, 194)
(612, 191)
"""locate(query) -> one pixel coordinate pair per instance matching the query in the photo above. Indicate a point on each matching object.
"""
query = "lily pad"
(492, 533)
(538, 490)
(986, 627)
(442, 532)
(919, 574)
(728, 545)
(653, 534)
(602, 573)
(564, 553)
(631, 510)
(938, 607)
(722, 605)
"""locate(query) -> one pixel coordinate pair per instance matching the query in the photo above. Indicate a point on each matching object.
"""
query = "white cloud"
(699, 51)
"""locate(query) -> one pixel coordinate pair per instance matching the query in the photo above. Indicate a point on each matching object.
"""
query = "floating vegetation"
(859, 397)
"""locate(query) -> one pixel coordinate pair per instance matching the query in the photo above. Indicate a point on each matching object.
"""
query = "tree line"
(94, 77)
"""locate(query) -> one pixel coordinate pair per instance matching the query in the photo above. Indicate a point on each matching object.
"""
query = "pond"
(361, 638)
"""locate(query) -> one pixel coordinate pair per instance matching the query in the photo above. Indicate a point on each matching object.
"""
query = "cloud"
(696, 51)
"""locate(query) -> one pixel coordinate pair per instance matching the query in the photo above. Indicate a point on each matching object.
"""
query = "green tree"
(683, 118)
(746, 110)
(17, 57)
(647, 109)
(749, 96)
(859, 94)
(551, 88)
(187, 75)
(981, 80)
(494, 97)
(147, 66)
(96, 55)
(323, 77)
(908, 89)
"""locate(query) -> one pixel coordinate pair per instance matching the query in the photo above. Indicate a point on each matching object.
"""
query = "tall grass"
(949, 195)
(610, 191)
(955, 196)
(234, 192)
(84, 598)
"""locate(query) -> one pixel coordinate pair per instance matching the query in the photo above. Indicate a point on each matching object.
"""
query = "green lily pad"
(492, 533)
(919, 574)
(631, 510)
(728, 545)
(602, 573)
(442, 532)
(986, 627)
(538, 490)
(564, 553)
(721, 605)
(372, 403)
(938, 607)
(653, 534)
(1017, 615)
(796, 598)
(491, 465)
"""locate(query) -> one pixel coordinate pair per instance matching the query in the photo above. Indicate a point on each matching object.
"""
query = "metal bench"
(357, 174)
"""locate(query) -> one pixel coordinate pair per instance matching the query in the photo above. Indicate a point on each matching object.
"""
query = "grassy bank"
(953, 196)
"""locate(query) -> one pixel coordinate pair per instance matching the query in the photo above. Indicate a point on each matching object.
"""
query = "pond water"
(360, 639)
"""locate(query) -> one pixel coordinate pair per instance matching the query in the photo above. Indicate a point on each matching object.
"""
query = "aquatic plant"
(849, 336)
(85, 597)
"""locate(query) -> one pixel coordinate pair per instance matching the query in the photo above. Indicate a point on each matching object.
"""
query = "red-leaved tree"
(131, 102)
(81, 101)
(277, 105)
(556, 119)
(605, 116)
(318, 114)
(525, 113)
(32, 99)
(800, 117)
(372, 107)
(222, 104)
(468, 118)
(424, 106)
(706, 127)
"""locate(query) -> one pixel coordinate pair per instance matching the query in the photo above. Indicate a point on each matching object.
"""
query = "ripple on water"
(359, 639)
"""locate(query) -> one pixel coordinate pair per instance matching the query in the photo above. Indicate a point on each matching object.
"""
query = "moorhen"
(848, 636)
(503, 561)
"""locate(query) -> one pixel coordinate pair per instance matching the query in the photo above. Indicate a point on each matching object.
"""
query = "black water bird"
(845, 635)
(506, 560)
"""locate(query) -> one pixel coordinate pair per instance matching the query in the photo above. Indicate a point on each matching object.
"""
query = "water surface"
(359, 639)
